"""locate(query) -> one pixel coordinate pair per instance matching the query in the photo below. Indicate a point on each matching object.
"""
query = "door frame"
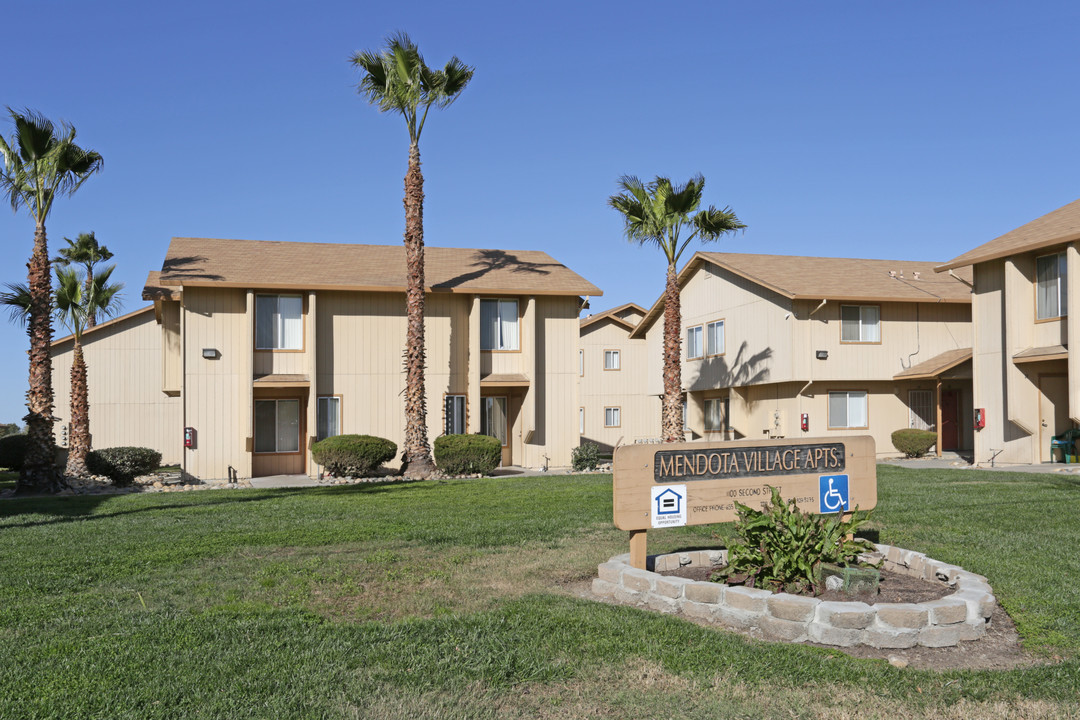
(1044, 442)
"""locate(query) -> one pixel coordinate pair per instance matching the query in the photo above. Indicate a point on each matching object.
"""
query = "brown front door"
(1053, 411)
(950, 419)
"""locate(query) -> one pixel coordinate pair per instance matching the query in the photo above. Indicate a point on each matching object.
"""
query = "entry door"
(494, 422)
(280, 447)
(1053, 411)
(950, 419)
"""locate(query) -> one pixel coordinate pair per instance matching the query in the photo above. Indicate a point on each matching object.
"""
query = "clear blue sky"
(872, 129)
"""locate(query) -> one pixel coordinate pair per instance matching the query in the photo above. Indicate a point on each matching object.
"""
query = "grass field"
(450, 600)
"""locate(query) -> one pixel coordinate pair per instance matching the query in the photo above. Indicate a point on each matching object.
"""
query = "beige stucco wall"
(623, 388)
(124, 380)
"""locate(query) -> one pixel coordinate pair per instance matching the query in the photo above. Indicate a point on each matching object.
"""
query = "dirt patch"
(894, 587)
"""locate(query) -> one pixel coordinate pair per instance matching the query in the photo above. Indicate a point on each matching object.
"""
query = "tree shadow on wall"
(725, 371)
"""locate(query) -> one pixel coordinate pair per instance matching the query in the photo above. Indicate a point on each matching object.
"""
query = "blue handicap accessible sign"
(833, 493)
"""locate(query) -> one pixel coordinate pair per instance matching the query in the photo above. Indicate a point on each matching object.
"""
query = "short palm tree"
(656, 213)
(75, 304)
(398, 80)
(41, 162)
(84, 251)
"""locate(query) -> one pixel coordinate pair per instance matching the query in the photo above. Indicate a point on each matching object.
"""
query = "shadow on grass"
(83, 508)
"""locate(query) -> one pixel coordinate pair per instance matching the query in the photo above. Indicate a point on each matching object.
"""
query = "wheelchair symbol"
(834, 496)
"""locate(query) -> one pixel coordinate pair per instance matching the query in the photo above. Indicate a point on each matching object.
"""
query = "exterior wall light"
(210, 353)
(819, 354)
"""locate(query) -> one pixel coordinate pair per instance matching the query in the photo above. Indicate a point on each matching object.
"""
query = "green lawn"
(454, 599)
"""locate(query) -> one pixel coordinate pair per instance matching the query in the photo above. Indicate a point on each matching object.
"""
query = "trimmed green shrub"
(783, 548)
(467, 454)
(12, 451)
(353, 455)
(585, 456)
(123, 464)
(912, 442)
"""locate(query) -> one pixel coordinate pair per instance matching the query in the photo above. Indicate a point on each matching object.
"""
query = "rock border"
(961, 616)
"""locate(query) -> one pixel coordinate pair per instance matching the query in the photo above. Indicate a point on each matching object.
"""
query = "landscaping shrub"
(585, 456)
(467, 454)
(783, 548)
(123, 464)
(12, 451)
(353, 455)
(914, 443)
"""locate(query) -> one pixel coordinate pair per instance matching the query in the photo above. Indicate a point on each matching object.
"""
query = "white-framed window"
(921, 414)
(612, 417)
(329, 416)
(685, 416)
(454, 411)
(714, 338)
(611, 359)
(715, 414)
(277, 426)
(499, 325)
(1051, 286)
(693, 342)
(279, 322)
(493, 418)
(848, 409)
(581, 421)
(581, 363)
(860, 323)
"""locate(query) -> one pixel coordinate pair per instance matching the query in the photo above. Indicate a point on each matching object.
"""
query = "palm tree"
(41, 162)
(398, 80)
(656, 213)
(84, 251)
(75, 305)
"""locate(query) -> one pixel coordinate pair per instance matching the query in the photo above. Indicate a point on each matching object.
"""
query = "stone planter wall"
(963, 615)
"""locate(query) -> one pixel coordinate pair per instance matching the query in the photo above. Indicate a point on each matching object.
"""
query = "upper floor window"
(693, 342)
(499, 325)
(860, 323)
(714, 338)
(612, 417)
(611, 359)
(279, 322)
(1051, 286)
(581, 363)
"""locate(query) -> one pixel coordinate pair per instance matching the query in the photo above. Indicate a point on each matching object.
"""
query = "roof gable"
(1056, 227)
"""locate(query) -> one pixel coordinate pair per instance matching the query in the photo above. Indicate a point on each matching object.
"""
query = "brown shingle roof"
(613, 315)
(1038, 354)
(325, 266)
(89, 332)
(821, 278)
(153, 289)
(1060, 226)
(936, 365)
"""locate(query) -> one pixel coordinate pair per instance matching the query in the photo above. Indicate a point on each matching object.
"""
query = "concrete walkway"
(952, 461)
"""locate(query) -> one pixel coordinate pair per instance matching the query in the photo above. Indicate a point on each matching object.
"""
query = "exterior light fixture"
(210, 353)
(819, 354)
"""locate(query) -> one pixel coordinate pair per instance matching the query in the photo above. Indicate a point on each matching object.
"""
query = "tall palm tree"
(75, 305)
(398, 80)
(84, 251)
(41, 162)
(656, 213)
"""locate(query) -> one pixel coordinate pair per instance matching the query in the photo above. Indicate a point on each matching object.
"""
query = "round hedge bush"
(912, 442)
(467, 454)
(123, 464)
(13, 451)
(353, 455)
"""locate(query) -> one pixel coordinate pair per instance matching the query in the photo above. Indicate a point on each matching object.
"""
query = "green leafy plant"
(914, 443)
(353, 455)
(467, 454)
(585, 456)
(123, 464)
(782, 548)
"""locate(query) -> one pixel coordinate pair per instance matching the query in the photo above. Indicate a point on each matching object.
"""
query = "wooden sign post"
(674, 484)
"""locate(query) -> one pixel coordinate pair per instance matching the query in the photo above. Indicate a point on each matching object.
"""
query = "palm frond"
(17, 301)
(713, 223)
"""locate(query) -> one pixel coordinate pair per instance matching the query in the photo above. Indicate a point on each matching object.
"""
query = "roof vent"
(892, 273)
(916, 275)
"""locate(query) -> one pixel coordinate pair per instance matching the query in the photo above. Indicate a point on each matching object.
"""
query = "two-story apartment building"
(612, 369)
(265, 347)
(777, 346)
(1026, 380)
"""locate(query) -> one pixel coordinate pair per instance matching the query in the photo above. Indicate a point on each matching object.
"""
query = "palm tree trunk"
(418, 462)
(79, 437)
(671, 424)
(39, 472)
(91, 319)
